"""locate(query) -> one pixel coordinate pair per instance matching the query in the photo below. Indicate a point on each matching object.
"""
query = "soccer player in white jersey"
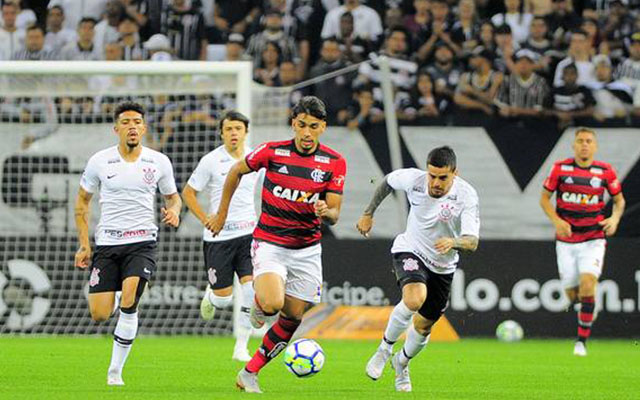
(127, 177)
(443, 220)
(230, 251)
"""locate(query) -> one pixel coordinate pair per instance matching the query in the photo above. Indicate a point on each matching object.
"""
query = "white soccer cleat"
(207, 310)
(115, 380)
(375, 366)
(403, 380)
(579, 349)
(247, 382)
(256, 316)
(241, 355)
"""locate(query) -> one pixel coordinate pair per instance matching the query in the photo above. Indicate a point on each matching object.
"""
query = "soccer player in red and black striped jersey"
(302, 188)
(580, 183)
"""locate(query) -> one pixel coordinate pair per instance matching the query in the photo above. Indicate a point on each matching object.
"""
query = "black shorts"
(113, 264)
(224, 258)
(410, 268)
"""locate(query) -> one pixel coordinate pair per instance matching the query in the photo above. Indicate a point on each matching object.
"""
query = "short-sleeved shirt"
(580, 196)
(293, 183)
(453, 215)
(127, 193)
(209, 176)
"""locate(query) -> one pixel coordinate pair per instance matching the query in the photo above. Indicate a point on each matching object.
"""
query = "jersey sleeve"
(200, 176)
(339, 174)
(90, 180)
(259, 158)
(613, 184)
(167, 183)
(401, 179)
(551, 183)
(470, 217)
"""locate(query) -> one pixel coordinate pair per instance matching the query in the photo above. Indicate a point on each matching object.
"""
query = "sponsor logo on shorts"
(317, 175)
(149, 175)
(212, 276)
(146, 271)
(410, 264)
(94, 279)
(283, 152)
(118, 234)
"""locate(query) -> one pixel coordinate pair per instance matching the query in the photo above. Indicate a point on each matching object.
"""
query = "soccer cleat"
(403, 380)
(256, 316)
(115, 380)
(579, 349)
(242, 355)
(247, 382)
(207, 310)
(375, 366)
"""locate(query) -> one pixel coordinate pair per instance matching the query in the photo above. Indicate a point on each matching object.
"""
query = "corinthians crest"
(149, 175)
(446, 212)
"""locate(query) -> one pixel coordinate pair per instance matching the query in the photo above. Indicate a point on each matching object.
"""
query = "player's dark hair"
(56, 7)
(441, 157)
(585, 130)
(87, 19)
(36, 27)
(128, 106)
(310, 105)
(233, 115)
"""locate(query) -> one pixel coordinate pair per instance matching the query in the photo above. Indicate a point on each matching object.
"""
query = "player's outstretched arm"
(563, 228)
(329, 210)
(171, 210)
(83, 255)
(216, 222)
(365, 223)
(189, 195)
(610, 225)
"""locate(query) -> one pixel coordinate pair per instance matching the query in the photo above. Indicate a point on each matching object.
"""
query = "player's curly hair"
(310, 105)
(441, 157)
(128, 106)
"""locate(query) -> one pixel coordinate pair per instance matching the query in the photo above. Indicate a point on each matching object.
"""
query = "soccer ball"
(304, 358)
(509, 331)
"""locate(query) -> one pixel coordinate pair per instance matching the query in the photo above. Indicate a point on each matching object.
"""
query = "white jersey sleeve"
(90, 180)
(403, 179)
(166, 183)
(201, 175)
(470, 217)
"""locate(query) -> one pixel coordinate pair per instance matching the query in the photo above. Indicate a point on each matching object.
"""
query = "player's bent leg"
(126, 328)
(586, 294)
(418, 336)
(240, 351)
(213, 299)
(101, 305)
(269, 298)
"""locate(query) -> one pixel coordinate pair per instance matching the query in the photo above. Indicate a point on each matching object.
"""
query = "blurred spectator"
(629, 70)
(466, 29)
(421, 107)
(272, 33)
(287, 74)
(477, 90)
(439, 31)
(617, 26)
(234, 16)
(486, 37)
(393, 16)
(337, 89)
(506, 47)
(267, 68)
(561, 21)
(57, 36)
(235, 48)
(183, 24)
(34, 47)
(139, 10)
(367, 23)
(11, 38)
(25, 17)
(446, 76)
(75, 10)
(614, 99)
(570, 103)
(541, 45)
(159, 48)
(364, 110)
(523, 92)
(113, 52)
(591, 28)
(418, 22)
(130, 40)
(354, 48)
(107, 28)
(537, 7)
(83, 49)
(580, 54)
(515, 18)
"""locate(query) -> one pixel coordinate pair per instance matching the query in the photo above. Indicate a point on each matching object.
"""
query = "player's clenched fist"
(170, 217)
(83, 257)
(444, 245)
(321, 208)
(563, 228)
(364, 225)
(215, 223)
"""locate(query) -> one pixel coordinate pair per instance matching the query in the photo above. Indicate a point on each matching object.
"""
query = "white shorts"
(579, 258)
(300, 269)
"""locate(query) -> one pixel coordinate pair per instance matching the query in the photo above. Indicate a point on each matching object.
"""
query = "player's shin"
(125, 332)
(585, 317)
(273, 342)
(398, 321)
(413, 345)
(244, 328)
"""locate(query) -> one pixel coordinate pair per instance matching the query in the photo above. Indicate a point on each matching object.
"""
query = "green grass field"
(201, 368)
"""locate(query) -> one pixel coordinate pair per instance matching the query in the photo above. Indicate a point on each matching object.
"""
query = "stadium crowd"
(452, 61)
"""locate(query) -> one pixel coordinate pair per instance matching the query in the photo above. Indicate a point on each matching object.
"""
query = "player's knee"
(414, 301)
(587, 287)
(220, 301)
(272, 305)
(100, 314)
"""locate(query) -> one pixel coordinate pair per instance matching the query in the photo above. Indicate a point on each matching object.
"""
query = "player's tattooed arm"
(81, 212)
(382, 191)
(466, 243)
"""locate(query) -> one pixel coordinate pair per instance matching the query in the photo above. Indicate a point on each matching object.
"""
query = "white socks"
(219, 302)
(398, 321)
(244, 328)
(413, 345)
(125, 332)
